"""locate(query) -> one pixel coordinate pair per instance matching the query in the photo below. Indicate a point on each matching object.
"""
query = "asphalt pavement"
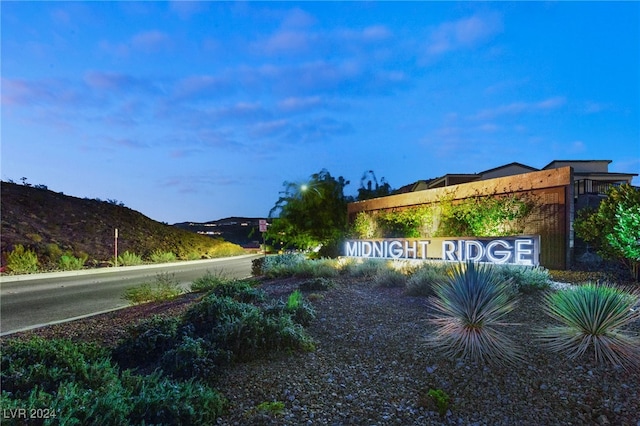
(35, 300)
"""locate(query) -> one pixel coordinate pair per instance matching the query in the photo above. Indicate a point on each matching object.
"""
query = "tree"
(625, 238)
(614, 228)
(311, 216)
(367, 192)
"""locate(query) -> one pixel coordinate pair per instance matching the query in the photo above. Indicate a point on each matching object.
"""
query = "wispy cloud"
(127, 143)
(308, 131)
(150, 41)
(464, 33)
(578, 146)
(521, 107)
(22, 92)
(189, 184)
(269, 128)
(119, 82)
(241, 111)
(299, 104)
(143, 42)
(506, 85)
(290, 42)
(373, 33)
(202, 86)
(186, 9)
(591, 107)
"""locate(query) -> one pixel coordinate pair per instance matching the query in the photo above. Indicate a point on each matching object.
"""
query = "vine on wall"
(477, 216)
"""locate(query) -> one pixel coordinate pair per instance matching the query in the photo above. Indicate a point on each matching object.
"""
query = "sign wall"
(517, 250)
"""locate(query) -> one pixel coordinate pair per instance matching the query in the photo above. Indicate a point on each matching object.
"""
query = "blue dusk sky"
(196, 111)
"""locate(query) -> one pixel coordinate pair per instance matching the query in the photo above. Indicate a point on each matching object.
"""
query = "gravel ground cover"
(373, 367)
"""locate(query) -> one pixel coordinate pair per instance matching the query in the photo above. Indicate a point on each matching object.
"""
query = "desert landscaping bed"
(372, 366)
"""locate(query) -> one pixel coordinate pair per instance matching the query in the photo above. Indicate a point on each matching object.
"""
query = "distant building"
(243, 231)
(562, 186)
(590, 176)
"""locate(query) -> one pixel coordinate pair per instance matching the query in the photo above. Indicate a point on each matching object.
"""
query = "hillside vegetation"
(53, 224)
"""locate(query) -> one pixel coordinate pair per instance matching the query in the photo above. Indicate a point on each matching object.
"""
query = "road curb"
(63, 274)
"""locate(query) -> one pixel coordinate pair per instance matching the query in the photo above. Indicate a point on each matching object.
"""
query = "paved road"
(29, 301)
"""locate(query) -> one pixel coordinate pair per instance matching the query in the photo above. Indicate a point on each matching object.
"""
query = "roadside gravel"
(372, 367)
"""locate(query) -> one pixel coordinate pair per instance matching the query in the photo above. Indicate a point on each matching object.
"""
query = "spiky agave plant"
(469, 309)
(592, 316)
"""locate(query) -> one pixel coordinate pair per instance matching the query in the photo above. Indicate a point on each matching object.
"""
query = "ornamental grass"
(592, 318)
(469, 309)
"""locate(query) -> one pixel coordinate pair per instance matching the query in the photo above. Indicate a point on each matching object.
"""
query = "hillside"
(52, 223)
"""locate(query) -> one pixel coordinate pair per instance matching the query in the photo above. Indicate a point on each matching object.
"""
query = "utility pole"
(263, 228)
(115, 250)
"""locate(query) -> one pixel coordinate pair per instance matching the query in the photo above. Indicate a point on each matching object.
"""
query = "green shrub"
(80, 405)
(209, 281)
(78, 381)
(525, 279)
(243, 328)
(47, 363)
(140, 294)
(159, 256)
(296, 307)
(294, 300)
(271, 407)
(240, 290)
(225, 249)
(53, 252)
(284, 333)
(193, 357)
(192, 255)
(21, 260)
(211, 311)
(165, 287)
(367, 268)
(159, 400)
(390, 278)
(242, 331)
(147, 341)
(83, 386)
(282, 265)
(257, 267)
(580, 277)
(317, 284)
(441, 399)
(423, 279)
(129, 259)
(345, 265)
(316, 268)
(71, 263)
(468, 308)
(300, 309)
(592, 317)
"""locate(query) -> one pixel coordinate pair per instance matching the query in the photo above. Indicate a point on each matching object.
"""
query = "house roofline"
(577, 161)
(515, 163)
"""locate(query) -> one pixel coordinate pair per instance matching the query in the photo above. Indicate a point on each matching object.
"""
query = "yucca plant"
(592, 316)
(469, 309)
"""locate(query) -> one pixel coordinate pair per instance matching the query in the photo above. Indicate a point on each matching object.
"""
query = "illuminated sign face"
(520, 250)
